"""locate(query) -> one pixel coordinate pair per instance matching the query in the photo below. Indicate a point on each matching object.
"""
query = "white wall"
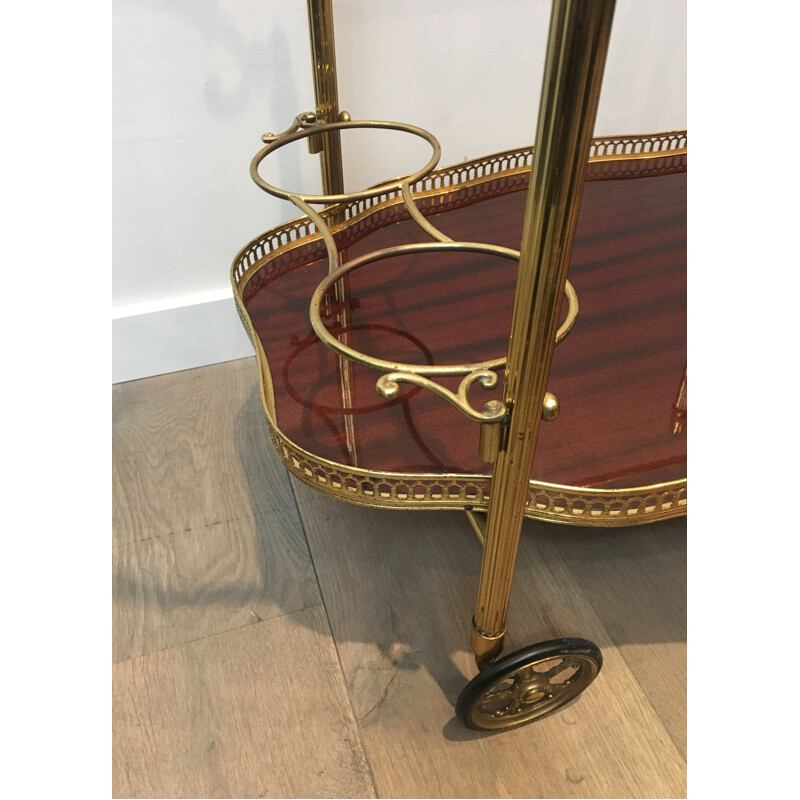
(196, 83)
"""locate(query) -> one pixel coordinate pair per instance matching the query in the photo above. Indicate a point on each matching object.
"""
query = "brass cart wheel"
(529, 683)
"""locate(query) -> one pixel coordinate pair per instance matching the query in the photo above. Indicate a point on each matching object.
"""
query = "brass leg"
(329, 146)
(326, 93)
(576, 52)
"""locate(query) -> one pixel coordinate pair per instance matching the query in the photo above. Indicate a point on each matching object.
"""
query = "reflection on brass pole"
(576, 53)
(326, 92)
(329, 146)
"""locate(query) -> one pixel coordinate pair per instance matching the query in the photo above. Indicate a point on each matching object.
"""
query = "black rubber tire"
(587, 651)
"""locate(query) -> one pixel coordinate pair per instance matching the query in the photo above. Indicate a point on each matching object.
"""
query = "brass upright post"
(329, 146)
(326, 92)
(576, 53)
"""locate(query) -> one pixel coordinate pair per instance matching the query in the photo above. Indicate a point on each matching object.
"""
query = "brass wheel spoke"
(525, 675)
(495, 705)
(559, 668)
(553, 689)
(488, 709)
(496, 695)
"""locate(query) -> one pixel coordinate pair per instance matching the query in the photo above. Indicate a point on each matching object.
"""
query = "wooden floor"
(272, 642)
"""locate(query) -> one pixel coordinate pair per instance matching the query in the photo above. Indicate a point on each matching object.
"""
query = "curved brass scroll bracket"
(301, 122)
(388, 386)
(304, 122)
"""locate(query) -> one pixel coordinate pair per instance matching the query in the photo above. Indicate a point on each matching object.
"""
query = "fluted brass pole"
(576, 54)
(326, 93)
(329, 146)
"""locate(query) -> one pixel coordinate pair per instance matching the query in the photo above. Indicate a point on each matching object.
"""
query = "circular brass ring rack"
(311, 129)
(483, 372)
(420, 369)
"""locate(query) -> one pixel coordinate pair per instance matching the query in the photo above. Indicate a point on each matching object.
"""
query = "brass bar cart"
(386, 449)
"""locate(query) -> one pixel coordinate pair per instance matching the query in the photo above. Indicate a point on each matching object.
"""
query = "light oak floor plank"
(206, 533)
(256, 712)
(400, 590)
(636, 581)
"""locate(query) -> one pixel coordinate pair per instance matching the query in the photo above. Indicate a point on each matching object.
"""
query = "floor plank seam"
(258, 621)
(646, 696)
(336, 648)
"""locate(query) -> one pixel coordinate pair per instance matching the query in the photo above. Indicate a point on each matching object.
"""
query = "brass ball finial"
(550, 407)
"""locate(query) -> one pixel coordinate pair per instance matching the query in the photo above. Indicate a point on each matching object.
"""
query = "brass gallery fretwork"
(298, 242)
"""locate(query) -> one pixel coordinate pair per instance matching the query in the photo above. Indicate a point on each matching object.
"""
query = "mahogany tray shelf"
(616, 454)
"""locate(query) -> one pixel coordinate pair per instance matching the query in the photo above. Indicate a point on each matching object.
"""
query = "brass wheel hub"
(529, 684)
(530, 691)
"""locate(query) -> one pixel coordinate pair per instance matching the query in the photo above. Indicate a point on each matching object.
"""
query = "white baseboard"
(182, 333)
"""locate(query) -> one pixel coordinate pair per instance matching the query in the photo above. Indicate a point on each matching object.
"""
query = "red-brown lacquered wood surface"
(618, 375)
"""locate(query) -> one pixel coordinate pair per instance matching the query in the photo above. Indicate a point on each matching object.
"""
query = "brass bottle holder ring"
(306, 125)
(387, 386)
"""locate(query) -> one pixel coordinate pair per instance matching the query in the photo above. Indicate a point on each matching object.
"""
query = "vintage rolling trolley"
(373, 315)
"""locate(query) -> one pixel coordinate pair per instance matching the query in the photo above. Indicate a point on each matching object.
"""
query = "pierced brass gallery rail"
(271, 254)
(307, 126)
